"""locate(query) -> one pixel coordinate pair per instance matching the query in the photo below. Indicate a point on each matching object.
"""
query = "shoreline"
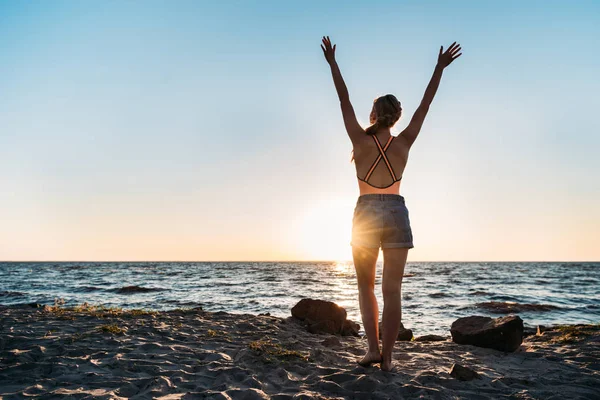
(190, 353)
(487, 309)
(433, 295)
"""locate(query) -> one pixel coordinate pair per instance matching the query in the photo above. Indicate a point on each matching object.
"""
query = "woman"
(381, 217)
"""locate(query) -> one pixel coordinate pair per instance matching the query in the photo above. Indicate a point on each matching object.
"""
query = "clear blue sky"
(211, 130)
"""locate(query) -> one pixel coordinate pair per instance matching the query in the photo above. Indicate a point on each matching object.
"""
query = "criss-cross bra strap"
(380, 156)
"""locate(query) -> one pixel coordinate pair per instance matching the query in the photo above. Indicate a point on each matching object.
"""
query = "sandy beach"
(94, 352)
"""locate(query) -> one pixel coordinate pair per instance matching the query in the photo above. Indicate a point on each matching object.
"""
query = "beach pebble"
(504, 334)
(463, 373)
(430, 338)
(331, 341)
(404, 335)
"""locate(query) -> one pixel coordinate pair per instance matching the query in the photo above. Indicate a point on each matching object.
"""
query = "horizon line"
(293, 261)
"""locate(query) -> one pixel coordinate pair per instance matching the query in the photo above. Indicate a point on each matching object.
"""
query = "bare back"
(380, 161)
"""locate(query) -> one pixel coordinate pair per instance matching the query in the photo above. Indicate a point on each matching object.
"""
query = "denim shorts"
(381, 220)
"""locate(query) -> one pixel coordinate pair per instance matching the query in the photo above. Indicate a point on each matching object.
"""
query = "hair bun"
(386, 119)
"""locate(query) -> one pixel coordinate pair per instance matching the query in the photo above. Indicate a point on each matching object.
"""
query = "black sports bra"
(376, 162)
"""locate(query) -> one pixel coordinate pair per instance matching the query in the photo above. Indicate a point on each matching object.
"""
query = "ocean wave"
(500, 307)
(479, 293)
(7, 293)
(87, 289)
(135, 289)
(503, 297)
(437, 295)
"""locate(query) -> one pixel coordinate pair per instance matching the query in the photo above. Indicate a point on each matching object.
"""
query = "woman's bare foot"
(371, 357)
(386, 365)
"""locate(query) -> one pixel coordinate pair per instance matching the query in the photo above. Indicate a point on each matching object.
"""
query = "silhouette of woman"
(381, 217)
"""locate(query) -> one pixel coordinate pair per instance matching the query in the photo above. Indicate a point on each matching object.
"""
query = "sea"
(434, 294)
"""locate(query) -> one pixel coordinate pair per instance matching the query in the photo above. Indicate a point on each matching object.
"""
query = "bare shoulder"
(357, 135)
(358, 140)
(402, 143)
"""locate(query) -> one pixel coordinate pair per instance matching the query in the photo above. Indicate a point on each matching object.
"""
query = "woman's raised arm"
(355, 131)
(444, 59)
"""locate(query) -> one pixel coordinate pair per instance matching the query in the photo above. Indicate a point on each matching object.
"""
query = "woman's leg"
(365, 260)
(394, 261)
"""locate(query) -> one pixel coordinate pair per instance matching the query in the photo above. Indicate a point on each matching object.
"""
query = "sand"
(95, 353)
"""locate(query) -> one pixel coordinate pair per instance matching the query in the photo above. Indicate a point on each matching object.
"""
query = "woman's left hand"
(328, 50)
(445, 58)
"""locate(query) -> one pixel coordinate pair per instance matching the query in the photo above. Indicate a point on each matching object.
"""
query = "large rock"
(320, 315)
(404, 334)
(504, 334)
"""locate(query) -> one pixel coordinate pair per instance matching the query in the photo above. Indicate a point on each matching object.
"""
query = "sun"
(324, 230)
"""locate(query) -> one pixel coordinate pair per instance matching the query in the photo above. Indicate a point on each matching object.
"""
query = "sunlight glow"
(324, 230)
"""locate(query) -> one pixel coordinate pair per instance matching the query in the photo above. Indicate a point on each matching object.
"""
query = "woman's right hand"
(445, 58)
(328, 51)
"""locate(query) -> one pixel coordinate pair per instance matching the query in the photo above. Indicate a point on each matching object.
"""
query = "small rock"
(350, 328)
(268, 314)
(504, 334)
(331, 341)
(430, 338)
(463, 373)
(404, 334)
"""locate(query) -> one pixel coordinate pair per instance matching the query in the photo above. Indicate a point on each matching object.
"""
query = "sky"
(197, 130)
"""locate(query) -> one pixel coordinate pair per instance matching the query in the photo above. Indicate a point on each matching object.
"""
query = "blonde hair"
(385, 113)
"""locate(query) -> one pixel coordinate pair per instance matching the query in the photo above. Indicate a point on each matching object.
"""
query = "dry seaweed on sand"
(272, 352)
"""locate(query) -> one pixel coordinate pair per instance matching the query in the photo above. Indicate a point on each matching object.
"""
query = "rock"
(404, 334)
(320, 315)
(504, 334)
(331, 341)
(463, 373)
(350, 328)
(430, 338)
(321, 326)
